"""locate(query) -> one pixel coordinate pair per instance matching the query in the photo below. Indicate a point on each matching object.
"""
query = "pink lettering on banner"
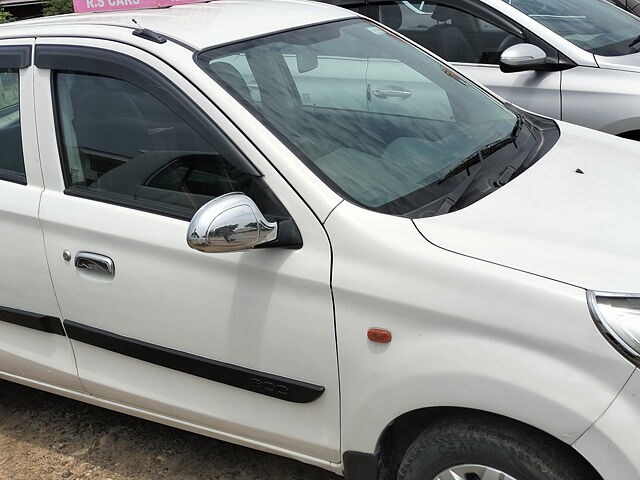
(168, 3)
(104, 5)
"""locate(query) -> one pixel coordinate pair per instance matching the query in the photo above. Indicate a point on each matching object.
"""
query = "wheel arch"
(402, 431)
(631, 135)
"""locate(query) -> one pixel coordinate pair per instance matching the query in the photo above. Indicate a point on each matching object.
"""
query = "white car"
(573, 60)
(436, 286)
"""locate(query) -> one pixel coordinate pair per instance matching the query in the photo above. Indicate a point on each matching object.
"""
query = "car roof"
(200, 25)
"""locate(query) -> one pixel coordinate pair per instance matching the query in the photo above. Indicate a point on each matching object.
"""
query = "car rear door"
(33, 345)
(239, 345)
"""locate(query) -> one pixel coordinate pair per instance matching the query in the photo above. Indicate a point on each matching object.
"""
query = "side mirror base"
(545, 67)
(288, 236)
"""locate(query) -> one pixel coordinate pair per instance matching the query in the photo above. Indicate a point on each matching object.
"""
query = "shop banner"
(104, 5)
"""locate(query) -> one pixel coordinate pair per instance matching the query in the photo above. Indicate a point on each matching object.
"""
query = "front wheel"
(490, 449)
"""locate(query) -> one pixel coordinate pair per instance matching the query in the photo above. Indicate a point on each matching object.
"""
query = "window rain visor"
(377, 119)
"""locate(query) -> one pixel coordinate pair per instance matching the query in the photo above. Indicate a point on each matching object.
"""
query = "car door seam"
(40, 200)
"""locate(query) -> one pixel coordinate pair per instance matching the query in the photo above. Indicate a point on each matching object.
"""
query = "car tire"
(490, 448)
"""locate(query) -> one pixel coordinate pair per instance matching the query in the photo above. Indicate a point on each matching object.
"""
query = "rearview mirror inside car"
(307, 60)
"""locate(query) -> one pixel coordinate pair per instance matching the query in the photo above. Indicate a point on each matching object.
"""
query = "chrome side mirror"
(229, 223)
(522, 57)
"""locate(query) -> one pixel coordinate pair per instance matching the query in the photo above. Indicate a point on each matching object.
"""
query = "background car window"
(593, 25)
(630, 5)
(408, 16)
(353, 76)
(329, 75)
(453, 34)
(120, 140)
(11, 158)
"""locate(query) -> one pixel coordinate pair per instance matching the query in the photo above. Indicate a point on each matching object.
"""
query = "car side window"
(121, 141)
(448, 31)
(11, 157)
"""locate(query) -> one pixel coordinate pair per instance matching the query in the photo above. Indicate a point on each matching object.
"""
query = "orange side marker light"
(379, 335)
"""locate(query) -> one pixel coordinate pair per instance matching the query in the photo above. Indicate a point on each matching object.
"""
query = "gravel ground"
(46, 437)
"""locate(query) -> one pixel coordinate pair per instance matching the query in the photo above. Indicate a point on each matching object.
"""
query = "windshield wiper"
(484, 152)
(635, 41)
(511, 170)
(452, 199)
(467, 163)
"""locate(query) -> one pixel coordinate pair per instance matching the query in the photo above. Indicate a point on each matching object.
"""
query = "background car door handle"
(391, 92)
(95, 263)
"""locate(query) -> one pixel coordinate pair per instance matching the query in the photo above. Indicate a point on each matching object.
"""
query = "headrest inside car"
(443, 14)
(391, 16)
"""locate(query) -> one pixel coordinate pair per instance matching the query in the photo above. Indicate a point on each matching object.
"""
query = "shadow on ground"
(46, 437)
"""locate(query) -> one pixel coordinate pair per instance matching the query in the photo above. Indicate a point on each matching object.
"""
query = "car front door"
(472, 37)
(33, 344)
(239, 343)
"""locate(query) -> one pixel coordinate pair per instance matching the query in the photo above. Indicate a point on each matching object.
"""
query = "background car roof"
(200, 25)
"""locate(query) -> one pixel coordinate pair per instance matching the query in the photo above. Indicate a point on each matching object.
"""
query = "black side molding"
(15, 56)
(35, 321)
(264, 383)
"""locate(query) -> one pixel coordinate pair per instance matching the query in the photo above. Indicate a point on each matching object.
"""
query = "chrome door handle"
(391, 92)
(95, 263)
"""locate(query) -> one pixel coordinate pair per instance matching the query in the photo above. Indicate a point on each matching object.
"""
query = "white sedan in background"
(389, 273)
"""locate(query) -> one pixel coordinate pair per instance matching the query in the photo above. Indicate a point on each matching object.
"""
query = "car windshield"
(377, 119)
(596, 26)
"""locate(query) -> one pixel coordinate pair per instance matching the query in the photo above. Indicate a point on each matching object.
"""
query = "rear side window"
(120, 142)
(11, 157)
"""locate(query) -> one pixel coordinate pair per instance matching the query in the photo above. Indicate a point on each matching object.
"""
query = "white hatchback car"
(439, 286)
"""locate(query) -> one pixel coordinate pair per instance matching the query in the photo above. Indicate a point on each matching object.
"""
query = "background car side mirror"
(522, 57)
(229, 223)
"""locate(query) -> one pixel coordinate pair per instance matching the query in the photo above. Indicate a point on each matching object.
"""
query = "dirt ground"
(46, 437)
